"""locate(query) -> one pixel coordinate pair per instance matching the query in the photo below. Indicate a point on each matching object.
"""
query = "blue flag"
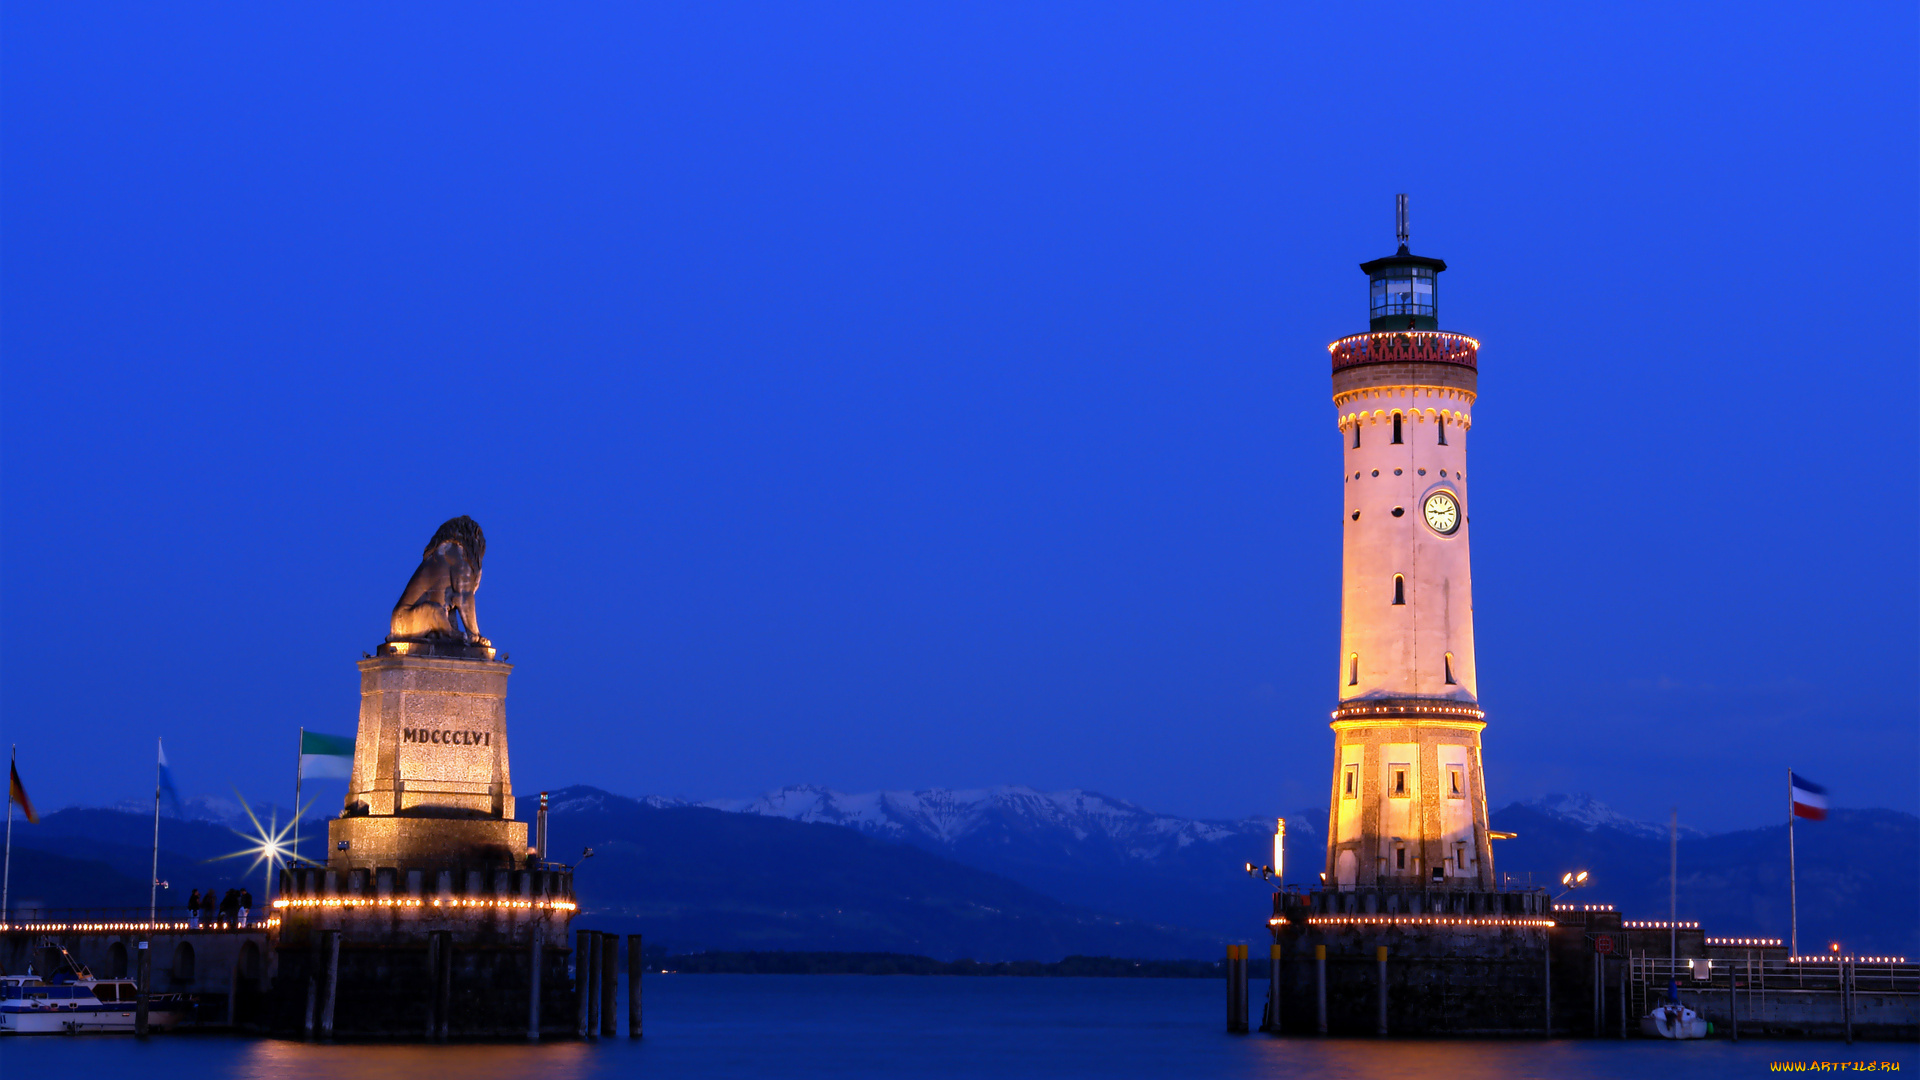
(166, 790)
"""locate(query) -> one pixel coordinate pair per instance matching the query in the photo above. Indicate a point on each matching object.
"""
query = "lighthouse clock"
(1409, 803)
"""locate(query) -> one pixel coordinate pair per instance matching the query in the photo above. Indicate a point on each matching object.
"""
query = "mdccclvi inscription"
(446, 738)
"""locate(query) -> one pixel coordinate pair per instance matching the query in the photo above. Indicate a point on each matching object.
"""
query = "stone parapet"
(1406, 373)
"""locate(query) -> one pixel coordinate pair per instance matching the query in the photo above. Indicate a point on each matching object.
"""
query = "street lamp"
(1572, 879)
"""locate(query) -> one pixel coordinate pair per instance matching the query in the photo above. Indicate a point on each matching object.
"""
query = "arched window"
(117, 961)
(1442, 421)
(1396, 429)
(183, 962)
(1450, 681)
(1353, 670)
(1356, 433)
(1399, 589)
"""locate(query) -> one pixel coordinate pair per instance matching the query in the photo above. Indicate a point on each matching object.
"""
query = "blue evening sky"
(913, 395)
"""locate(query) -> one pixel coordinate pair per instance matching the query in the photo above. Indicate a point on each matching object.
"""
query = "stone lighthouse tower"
(1409, 806)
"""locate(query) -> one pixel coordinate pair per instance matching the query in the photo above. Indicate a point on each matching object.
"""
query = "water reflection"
(271, 1058)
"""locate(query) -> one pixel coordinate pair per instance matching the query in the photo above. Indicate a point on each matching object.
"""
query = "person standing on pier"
(246, 906)
(193, 910)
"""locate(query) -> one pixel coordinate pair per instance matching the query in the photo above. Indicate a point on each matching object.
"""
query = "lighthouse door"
(1346, 867)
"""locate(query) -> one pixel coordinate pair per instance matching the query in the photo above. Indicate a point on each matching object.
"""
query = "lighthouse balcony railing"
(1405, 346)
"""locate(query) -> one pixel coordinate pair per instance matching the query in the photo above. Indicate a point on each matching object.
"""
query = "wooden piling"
(1272, 1022)
(1380, 958)
(1846, 996)
(1232, 991)
(233, 990)
(533, 986)
(1593, 991)
(635, 965)
(1546, 982)
(313, 993)
(141, 1004)
(433, 984)
(443, 998)
(1733, 1005)
(333, 983)
(609, 985)
(582, 976)
(1320, 984)
(1623, 1001)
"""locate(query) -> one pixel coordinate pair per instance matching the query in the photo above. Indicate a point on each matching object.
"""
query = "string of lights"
(139, 927)
(1418, 920)
(348, 902)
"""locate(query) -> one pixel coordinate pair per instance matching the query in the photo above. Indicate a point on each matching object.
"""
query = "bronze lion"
(438, 602)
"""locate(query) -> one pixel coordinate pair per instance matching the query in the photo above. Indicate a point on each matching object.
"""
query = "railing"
(1405, 346)
(1756, 973)
(169, 920)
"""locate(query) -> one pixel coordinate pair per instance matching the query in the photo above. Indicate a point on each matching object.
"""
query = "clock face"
(1443, 514)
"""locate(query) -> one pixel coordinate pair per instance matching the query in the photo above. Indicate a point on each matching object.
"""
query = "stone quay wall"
(1456, 962)
(421, 956)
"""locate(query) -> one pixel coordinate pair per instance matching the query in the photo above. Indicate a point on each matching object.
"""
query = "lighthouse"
(1409, 808)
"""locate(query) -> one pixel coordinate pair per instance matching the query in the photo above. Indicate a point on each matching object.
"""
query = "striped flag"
(325, 756)
(18, 793)
(1809, 798)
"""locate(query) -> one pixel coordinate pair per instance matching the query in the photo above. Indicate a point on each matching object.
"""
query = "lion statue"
(438, 601)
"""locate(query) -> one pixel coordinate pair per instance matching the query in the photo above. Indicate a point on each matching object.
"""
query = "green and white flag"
(325, 756)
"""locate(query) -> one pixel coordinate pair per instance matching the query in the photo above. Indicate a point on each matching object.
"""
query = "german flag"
(18, 793)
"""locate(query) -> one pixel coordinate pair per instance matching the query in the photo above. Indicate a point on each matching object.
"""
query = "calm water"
(763, 1026)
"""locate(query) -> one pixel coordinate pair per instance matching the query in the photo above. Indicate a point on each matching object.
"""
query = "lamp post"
(1573, 879)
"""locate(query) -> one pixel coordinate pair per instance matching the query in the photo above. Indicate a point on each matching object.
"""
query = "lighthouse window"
(1456, 782)
(1353, 670)
(1350, 783)
(1442, 421)
(1449, 663)
(1356, 437)
(1400, 858)
(1403, 290)
(1396, 429)
(1399, 774)
(1399, 589)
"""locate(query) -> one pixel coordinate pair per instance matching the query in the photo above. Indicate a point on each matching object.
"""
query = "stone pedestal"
(430, 788)
(431, 918)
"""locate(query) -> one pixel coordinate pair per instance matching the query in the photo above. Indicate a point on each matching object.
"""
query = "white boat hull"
(74, 1021)
(1658, 1024)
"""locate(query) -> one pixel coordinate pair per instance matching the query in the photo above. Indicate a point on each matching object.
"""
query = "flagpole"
(6, 876)
(153, 887)
(298, 775)
(1673, 883)
(1793, 875)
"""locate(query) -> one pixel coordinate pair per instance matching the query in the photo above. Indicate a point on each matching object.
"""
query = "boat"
(73, 1002)
(1673, 1021)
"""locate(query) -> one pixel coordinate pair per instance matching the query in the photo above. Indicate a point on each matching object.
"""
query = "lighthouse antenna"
(1400, 217)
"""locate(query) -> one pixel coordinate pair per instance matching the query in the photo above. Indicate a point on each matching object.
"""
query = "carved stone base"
(432, 739)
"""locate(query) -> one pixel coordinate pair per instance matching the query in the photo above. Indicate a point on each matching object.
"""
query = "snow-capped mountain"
(1591, 814)
(943, 818)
